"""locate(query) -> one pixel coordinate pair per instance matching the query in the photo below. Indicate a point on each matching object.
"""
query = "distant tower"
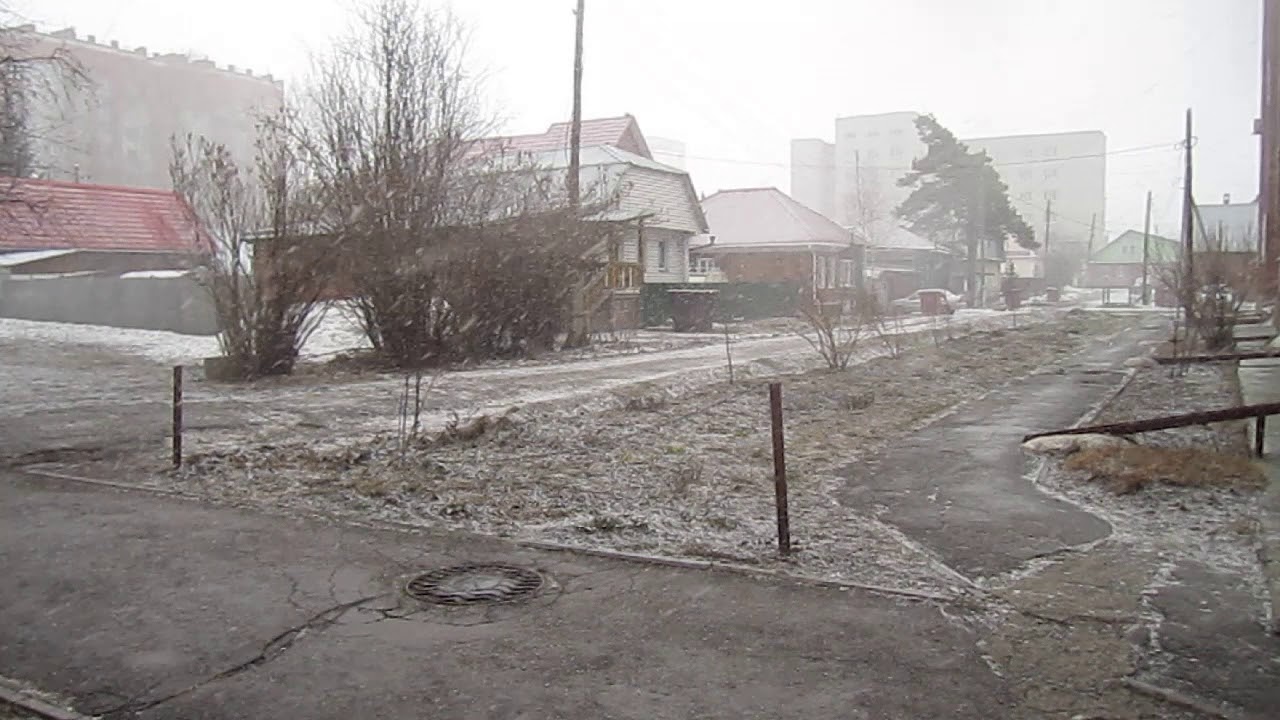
(668, 151)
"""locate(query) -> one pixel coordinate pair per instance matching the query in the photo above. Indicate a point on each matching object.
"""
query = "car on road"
(911, 303)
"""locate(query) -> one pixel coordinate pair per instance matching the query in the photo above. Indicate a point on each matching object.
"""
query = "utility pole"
(575, 132)
(1093, 222)
(1188, 245)
(1146, 251)
(1048, 214)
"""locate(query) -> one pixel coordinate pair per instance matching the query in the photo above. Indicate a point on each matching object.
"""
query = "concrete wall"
(174, 304)
(116, 129)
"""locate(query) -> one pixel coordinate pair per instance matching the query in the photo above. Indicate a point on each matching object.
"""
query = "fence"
(177, 304)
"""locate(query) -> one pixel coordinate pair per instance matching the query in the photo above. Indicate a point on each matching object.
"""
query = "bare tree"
(267, 266)
(867, 208)
(38, 84)
(452, 249)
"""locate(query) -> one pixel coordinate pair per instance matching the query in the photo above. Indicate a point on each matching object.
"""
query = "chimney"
(93, 39)
(1226, 198)
(115, 44)
(142, 50)
(68, 33)
(248, 71)
(231, 68)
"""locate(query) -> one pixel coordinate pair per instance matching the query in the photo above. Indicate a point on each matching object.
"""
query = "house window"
(706, 266)
(662, 254)
(846, 272)
(1050, 173)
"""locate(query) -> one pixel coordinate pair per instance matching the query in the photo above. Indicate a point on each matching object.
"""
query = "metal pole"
(1188, 232)
(575, 131)
(1260, 433)
(177, 416)
(779, 469)
(1146, 250)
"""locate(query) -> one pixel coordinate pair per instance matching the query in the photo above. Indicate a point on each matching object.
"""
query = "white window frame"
(662, 255)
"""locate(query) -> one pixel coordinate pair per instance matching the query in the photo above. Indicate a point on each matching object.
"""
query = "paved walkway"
(138, 605)
(1260, 383)
(961, 485)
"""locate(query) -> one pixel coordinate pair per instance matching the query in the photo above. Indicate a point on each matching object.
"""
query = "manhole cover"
(475, 585)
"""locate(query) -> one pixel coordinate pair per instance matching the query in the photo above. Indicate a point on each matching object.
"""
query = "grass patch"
(1129, 469)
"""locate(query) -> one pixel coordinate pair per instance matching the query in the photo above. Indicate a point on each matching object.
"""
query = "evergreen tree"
(959, 200)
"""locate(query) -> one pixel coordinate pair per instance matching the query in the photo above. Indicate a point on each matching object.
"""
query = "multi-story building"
(116, 127)
(871, 153)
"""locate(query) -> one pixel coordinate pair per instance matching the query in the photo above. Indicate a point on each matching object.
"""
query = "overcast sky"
(736, 80)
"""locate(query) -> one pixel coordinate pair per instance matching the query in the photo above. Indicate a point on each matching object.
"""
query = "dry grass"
(1129, 469)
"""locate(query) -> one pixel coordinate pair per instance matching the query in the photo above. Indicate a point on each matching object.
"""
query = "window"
(706, 266)
(846, 272)
(896, 131)
(895, 151)
(874, 133)
(1051, 151)
(1024, 196)
(1050, 194)
(872, 154)
(662, 254)
(1050, 173)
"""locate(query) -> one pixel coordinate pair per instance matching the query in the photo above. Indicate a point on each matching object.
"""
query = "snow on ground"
(1215, 526)
(678, 468)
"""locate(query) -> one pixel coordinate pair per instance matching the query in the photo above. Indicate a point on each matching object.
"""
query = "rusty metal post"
(177, 416)
(779, 469)
(1260, 433)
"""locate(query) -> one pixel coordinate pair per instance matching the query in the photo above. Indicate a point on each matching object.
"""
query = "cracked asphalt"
(138, 605)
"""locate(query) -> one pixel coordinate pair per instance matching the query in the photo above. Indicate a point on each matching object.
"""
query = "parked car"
(911, 303)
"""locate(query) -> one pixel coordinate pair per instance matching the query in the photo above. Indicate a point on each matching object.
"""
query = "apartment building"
(116, 129)
(871, 153)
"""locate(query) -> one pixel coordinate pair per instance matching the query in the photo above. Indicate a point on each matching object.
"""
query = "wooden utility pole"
(1048, 262)
(575, 132)
(1188, 231)
(1269, 129)
(1146, 240)
(779, 469)
(1093, 222)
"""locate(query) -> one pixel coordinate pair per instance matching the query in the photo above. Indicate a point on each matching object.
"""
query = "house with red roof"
(51, 226)
(764, 236)
(102, 255)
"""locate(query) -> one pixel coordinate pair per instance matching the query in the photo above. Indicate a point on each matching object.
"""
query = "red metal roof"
(51, 214)
(620, 132)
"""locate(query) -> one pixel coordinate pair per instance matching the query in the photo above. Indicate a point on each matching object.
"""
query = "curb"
(11, 693)
(681, 563)
(1269, 547)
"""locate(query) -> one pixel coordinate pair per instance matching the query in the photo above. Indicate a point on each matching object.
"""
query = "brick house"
(763, 236)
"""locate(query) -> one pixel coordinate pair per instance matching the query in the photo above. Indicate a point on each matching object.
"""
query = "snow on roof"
(891, 236)
(15, 259)
(152, 274)
(622, 132)
(51, 214)
(768, 217)
(1232, 227)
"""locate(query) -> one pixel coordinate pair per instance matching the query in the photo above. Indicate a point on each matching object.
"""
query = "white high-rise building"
(871, 153)
(668, 151)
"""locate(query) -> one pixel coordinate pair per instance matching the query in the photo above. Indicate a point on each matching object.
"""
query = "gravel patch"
(676, 469)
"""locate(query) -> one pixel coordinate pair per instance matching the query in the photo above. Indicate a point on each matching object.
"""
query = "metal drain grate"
(475, 585)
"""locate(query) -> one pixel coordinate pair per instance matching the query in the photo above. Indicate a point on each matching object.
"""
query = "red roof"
(50, 214)
(620, 132)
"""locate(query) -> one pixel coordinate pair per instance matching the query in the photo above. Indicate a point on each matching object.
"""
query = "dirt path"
(959, 486)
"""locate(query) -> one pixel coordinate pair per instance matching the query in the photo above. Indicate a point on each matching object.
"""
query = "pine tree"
(959, 200)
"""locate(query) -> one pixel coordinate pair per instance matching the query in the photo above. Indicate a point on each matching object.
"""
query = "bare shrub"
(883, 322)
(453, 250)
(835, 339)
(264, 270)
(1211, 293)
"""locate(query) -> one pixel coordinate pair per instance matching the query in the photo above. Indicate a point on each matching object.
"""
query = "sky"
(737, 80)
